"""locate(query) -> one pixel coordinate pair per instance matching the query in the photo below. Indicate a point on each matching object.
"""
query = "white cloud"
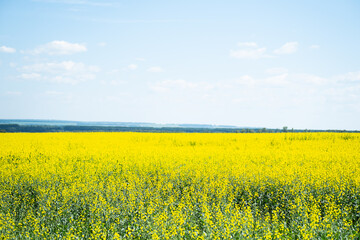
(247, 44)
(287, 48)
(181, 84)
(62, 72)
(273, 71)
(113, 71)
(116, 82)
(155, 69)
(249, 53)
(158, 88)
(67, 66)
(314, 46)
(54, 93)
(299, 79)
(13, 93)
(59, 96)
(279, 80)
(350, 77)
(166, 85)
(310, 78)
(249, 50)
(59, 48)
(7, 49)
(281, 77)
(132, 67)
(281, 89)
(245, 80)
(102, 44)
(31, 76)
(248, 81)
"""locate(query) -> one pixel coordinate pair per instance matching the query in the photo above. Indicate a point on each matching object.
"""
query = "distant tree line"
(73, 128)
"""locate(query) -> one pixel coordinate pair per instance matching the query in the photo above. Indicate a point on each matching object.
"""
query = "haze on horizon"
(242, 63)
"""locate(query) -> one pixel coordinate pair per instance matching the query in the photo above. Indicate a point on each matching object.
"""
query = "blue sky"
(245, 63)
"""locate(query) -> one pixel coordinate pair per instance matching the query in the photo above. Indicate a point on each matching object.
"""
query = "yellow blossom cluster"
(179, 186)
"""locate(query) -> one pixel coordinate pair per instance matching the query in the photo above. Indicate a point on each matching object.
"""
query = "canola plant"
(179, 186)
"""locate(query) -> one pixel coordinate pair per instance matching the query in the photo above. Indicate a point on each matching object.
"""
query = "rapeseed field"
(179, 186)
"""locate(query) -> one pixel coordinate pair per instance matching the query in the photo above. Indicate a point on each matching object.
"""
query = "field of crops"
(179, 186)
